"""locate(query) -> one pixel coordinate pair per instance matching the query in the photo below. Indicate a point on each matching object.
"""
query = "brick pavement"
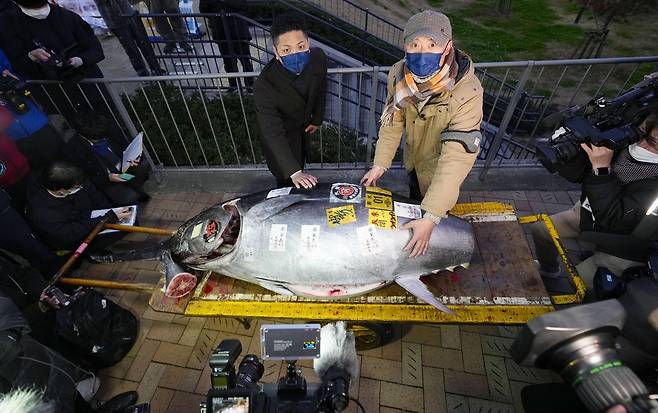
(431, 368)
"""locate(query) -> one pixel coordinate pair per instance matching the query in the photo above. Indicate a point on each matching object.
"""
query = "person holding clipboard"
(119, 174)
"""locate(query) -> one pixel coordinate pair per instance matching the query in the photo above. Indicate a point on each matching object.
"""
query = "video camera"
(582, 345)
(13, 92)
(334, 353)
(602, 122)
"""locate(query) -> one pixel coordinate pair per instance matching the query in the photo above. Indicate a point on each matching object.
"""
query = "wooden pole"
(142, 230)
(73, 258)
(85, 282)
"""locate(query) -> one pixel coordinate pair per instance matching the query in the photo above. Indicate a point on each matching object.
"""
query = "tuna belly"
(334, 290)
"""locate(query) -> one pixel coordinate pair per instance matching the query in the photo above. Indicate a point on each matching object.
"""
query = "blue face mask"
(296, 62)
(423, 64)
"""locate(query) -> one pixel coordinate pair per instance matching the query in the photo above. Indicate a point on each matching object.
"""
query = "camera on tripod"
(241, 392)
(13, 92)
(602, 122)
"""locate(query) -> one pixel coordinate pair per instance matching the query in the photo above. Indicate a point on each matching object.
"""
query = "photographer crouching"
(618, 187)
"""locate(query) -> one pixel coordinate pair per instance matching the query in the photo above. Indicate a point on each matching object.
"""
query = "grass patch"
(435, 3)
(486, 36)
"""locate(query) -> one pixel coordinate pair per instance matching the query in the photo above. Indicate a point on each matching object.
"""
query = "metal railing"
(362, 18)
(189, 125)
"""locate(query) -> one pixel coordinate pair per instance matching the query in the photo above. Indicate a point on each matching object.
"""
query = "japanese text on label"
(278, 237)
(379, 201)
(382, 219)
(340, 215)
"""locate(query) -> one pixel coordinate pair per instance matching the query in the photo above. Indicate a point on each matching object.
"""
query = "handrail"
(369, 69)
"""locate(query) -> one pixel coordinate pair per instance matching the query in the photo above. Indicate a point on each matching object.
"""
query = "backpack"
(100, 331)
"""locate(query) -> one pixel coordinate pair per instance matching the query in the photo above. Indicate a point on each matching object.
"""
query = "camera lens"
(250, 371)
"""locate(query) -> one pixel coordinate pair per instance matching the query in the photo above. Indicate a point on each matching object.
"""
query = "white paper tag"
(342, 192)
(278, 237)
(278, 192)
(310, 238)
(196, 231)
(368, 240)
(408, 210)
(586, 206)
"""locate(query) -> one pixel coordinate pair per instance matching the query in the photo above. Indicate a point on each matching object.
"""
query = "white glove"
(75, 61)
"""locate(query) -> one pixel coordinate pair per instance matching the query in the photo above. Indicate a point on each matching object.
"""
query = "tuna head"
(210, 235)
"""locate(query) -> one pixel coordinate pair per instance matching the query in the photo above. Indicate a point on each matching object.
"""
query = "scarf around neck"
(408, 92)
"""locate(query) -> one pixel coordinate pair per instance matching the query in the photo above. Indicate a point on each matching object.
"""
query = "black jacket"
(226, 27)
(617, 208)
(80, 152)
(63, 223)
(286, 104)
(62, 31)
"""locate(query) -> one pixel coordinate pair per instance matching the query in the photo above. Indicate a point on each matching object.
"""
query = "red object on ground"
(181, 285)
(13, 164)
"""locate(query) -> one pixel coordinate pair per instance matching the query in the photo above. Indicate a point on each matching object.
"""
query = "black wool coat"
(285, 105)
(62, 31)
(226, 27)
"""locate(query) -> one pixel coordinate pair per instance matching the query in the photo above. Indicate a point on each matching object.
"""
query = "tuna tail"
(415, 286)
(152, 252)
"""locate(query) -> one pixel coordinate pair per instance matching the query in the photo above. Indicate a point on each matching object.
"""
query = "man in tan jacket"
(435, 97)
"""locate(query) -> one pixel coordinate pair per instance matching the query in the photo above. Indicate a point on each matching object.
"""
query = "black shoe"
(144, 197)
(159, 72)
(119, 403)
(186, 47)
(170, 48)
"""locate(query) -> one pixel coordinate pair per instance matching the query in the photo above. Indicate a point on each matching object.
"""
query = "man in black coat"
(59, 206)
(46, 42)
(290, 101)
(618, 188)
(231, 34)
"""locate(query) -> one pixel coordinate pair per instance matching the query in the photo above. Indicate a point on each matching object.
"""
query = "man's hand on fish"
(300, 179)
(421, 233)
(371, 177)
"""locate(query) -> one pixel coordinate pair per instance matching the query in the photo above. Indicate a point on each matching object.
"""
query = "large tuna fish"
(332, 241)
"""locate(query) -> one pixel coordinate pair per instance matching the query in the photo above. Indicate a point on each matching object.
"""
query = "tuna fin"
(272, 206)
(277, 288)
(415, 286)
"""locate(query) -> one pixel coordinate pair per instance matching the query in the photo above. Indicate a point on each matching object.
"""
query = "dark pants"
(40, 148)
(133, 39)
(16, 236)
(283, 183)
(172, 29)
(414, 187)
(232, 51)
(131, 192)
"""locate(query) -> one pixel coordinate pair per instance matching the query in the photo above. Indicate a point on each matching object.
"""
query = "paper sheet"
(130, 221)
(132, 152)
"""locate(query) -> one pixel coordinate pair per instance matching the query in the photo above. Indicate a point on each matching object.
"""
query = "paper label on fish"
(368, 240)
(379, 201)
(340, 215)
(382, 219)
(378, 190)
(342, 192)
(278, 234)
(279, 192)
(196, 231)
(408, 210)
(310, 238)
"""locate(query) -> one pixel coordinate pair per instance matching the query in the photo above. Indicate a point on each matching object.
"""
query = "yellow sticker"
(378, 190)
(340, 215)
(382, 219)
(379, 201)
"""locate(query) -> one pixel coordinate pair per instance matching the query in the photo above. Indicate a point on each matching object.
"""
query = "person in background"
(618, 188)
(29, 126)
(120, 19)
(46, 42)
(436, 99)
(59, 206)
(289, 96)
(172, 29)
(231, 35)
(90, 149)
